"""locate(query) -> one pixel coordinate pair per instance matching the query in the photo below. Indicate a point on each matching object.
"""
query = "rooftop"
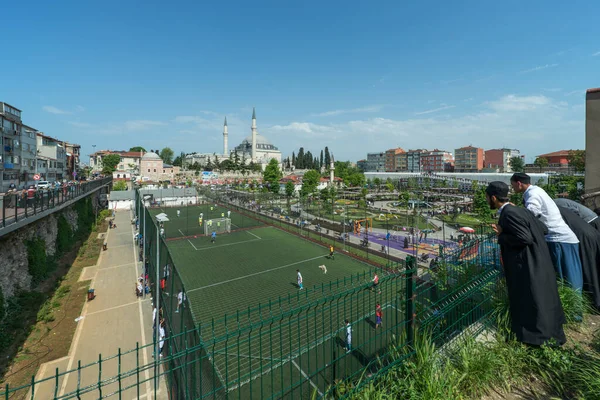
(559, 153)
(594, 90)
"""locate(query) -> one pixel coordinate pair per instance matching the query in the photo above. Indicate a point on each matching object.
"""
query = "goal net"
(219, 225)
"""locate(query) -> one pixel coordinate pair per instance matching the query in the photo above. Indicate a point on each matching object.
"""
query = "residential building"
(499, 159)
(557, 158)
(390, 159)
(361, 165)
(413, 160)
(153, 169)
(436, 161)
(130, 161)
(51, 158)
(73, 161)
(375, 162)
(468, 159)
(401, 162)
(592, 142)
(18, 148)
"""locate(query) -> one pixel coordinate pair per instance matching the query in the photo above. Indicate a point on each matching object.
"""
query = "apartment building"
(130, 161)
(390, 159)
(401, 162)
(51, 158)
(468, 159)
(18, 149)
(413, 160)
(436, 161)
(376, 162)
(73, 160)
(499, 159)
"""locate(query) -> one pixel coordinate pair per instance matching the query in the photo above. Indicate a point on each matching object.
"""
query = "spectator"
(582, 211)
(562, 242)
(535, 309)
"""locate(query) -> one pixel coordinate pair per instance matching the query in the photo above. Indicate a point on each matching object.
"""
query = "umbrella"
(466, 229)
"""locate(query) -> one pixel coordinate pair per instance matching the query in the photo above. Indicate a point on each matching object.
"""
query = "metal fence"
(26, 203)
(293, 347)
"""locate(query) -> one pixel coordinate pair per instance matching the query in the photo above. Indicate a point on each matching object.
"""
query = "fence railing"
(27, 203)
(296, 347)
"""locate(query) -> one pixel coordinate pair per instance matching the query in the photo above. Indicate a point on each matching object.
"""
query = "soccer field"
(246, 281)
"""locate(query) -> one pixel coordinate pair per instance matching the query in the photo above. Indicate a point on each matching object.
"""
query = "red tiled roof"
(560, 153)
(594, 90)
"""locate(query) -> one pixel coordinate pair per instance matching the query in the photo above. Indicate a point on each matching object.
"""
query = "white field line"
(256, 236)
(190, 242)
(256, 273)
(229, 244)
(181, 232)
(307, 378)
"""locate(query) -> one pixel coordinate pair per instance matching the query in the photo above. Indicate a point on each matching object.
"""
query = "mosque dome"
(262, 143)
(151, 156)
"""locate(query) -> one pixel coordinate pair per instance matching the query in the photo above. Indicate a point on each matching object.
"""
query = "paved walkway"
(115, 319)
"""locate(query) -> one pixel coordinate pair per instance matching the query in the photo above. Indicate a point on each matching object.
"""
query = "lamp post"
(162, 217)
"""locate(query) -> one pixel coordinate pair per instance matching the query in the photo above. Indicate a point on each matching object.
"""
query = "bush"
(64, 237)
(2, 311)
(37, 260)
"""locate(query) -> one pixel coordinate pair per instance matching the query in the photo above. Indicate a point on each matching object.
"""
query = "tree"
(576, 160)
(179, 160)
(272, 175)
(310, 180)
(119, 185)
(293, 159)
(389, 186)
(377, 183)
(321, 161)
(166, 155)
(480, 204)
(300, 159)
(109, 163)
(138, 149)
(327, 157)
(290, 188)
(236, 160)
(516, 164)
(541, 163)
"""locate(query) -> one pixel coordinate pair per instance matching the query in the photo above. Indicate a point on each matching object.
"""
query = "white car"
(43, 185)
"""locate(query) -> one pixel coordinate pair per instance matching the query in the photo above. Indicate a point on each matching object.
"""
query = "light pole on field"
(160, 218)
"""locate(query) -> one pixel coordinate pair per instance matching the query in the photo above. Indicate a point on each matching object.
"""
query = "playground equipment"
(368, 225)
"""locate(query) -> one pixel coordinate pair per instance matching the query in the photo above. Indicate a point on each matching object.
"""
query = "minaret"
(331, 170)
(253, 134)
(225, 134)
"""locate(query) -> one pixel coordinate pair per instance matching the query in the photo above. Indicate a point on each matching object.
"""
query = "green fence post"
(410, 296)
(78, 376)
(119, 371)
(6, 392)
(137, 367)
(100, 374)
(56, 384)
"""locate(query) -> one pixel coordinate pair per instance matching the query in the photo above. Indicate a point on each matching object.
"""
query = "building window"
(154, 169)
(148, 169)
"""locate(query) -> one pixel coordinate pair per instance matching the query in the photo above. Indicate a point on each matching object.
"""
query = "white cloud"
(54, 110)
(79, 108)
(552, 89)
(80, 124)
(518, 103)
(539, 68)
(374, 108)
(444, 107)
(140, 125)
(580, 91)
(596, 54)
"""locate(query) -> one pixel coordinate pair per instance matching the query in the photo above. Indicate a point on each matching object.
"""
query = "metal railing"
(23, 204)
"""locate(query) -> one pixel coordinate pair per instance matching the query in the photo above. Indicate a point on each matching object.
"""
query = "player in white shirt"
(299, 277)
(180, 298)
(178, 213)
(348, 329)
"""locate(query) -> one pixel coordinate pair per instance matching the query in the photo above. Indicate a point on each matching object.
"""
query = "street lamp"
(160, 218)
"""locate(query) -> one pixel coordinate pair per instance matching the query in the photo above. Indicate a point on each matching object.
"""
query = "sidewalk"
(114, 321)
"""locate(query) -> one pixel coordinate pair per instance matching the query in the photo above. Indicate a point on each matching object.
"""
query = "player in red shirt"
(378, 315)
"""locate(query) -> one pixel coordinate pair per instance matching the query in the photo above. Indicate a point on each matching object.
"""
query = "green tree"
(138, 149)
(236, 160)
(321, 161)
(356, 179)
(179, 160)
(109, 163)
(166, 155)
(480, 204)
(389, 186)
(377, 183)
(272, 175)
(516, 164)
(327, 157)
(290, 189)
(310, 180)
(119, 185)
(541, 163)
(576, 160)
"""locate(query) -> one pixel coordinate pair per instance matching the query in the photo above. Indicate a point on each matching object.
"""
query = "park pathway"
(115, 321)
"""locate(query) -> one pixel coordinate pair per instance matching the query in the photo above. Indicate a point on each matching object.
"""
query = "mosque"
(254, 147)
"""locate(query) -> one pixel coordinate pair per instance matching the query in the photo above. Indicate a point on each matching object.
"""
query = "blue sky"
(353, 76)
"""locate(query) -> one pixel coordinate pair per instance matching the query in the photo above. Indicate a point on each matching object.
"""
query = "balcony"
(8, 165)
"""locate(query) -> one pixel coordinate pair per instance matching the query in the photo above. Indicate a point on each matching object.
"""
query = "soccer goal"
(219, 225)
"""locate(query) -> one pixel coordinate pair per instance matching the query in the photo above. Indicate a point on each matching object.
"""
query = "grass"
(461, 219)
(470, 369)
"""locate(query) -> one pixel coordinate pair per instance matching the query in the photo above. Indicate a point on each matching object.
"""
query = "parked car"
(43, 184)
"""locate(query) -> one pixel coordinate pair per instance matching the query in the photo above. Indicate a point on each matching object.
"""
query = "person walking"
(331, 254)
(378, 315)
(536, 312)
(348, 331)
(213, 237)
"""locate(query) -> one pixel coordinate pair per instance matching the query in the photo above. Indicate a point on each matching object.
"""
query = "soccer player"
(299, 277)
(200, 221)
(228, 214)
(179, 300)
(331, 252)
(178, 213)
(222, 215)
(348, 337)
(376, 283)
(213, 237)
(378, 315)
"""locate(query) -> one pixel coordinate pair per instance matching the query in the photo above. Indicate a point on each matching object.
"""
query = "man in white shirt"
(299, 278)
(562, 242)
(348, 329)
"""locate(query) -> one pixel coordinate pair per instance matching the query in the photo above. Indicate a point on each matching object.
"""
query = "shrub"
(64, 236)
(37, 260)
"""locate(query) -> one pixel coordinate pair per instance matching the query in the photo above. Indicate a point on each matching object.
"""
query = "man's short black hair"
(499, 190)
(521, 177)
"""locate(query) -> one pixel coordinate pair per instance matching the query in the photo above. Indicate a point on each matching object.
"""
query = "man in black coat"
(589, 251)
(536, 312)
(582, 211)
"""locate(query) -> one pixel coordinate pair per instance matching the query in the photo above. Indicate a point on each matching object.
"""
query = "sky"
(357, 77)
